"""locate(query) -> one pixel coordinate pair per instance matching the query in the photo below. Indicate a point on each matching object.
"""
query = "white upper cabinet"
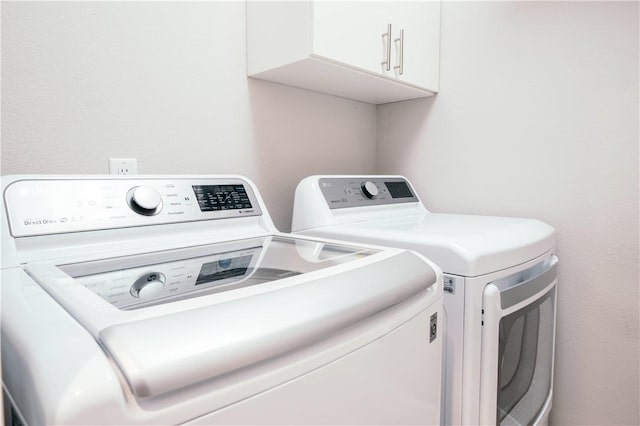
(344, 48)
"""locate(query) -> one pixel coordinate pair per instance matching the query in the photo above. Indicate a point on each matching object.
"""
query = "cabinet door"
(338, 47)
(350, 32)
(420, 56)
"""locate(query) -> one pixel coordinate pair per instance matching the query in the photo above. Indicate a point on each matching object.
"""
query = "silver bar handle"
(387, 62)
(400, 67)
(514, 294)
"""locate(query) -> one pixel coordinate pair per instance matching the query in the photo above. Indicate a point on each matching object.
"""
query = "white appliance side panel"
(54, 370)
(453, 349)
(393, 380)
(472, 361)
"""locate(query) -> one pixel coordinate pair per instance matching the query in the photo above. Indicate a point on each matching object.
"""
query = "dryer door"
(518, 340)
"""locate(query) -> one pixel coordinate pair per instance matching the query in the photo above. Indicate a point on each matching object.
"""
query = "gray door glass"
(525, 361)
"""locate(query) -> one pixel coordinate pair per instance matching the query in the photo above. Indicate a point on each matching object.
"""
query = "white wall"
(164, 82)
(538, 116)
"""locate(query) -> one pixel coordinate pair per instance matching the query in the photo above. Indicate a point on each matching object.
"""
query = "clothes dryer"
(500, 289)
(173, 299)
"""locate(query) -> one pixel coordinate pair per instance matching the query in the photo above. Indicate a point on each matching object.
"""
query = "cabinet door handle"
(400, 67)
(387, 62)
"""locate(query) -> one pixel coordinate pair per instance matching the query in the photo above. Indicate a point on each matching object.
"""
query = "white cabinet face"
(355, 33)
(372, 51)
(420, 22)
(352, 33)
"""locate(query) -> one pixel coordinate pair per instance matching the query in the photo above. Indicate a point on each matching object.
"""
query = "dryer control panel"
(342, 192)
(55, 206)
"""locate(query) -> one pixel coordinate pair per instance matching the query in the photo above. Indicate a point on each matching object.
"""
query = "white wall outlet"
(123, 166)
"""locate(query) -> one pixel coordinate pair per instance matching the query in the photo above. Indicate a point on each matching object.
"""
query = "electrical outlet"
(123, 166)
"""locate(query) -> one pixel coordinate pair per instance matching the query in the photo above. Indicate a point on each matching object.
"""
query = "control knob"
(148, 286)
(144, 200)
(369, 189)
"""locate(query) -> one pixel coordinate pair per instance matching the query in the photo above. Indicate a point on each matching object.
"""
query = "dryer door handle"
(514, 293)
(528, 288)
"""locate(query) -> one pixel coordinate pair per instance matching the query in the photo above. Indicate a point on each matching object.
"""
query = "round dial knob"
(369, 189)
(145, 200)
(148, 286)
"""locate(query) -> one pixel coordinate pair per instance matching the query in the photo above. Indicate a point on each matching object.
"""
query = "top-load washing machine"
(500, 287)
(167, 300)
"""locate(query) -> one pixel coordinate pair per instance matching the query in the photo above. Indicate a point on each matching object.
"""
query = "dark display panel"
(221, 197)
(398, 189)
(223, 269)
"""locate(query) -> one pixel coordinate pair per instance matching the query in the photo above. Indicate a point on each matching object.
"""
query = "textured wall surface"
(538, 116)
(164, 82)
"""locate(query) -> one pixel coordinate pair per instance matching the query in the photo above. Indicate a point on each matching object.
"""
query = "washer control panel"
(55, 206)
(342, 192)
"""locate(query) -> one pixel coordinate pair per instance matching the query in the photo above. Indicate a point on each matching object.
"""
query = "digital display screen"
(221, 197)
(398, 189)
(223, 269)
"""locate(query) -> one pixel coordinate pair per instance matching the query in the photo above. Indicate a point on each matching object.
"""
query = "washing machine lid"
(165, 277)
(465, 245)
(226, 306)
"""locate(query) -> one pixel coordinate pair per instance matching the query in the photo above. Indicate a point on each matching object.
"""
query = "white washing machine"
(500, 286)
(168, 300)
